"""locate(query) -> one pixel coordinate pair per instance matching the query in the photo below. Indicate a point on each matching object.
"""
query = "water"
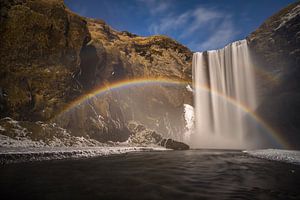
(220, 114)
(194, 174)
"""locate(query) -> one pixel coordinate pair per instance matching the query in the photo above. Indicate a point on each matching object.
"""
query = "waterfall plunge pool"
(192, 174)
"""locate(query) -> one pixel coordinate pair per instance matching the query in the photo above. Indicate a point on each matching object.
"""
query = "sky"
(198, 24)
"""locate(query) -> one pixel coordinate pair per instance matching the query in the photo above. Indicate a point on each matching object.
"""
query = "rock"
(50, 56)
(39, 48)
(140, 135)
(172, 144)
(275, 47)
(38, 134)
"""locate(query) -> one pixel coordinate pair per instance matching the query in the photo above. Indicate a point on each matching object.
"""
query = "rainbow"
(264, 75)
(104, 89)
(272, 134)
(123, 84)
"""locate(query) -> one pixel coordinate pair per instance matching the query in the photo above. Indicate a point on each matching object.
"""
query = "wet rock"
(173, 144)
(275, 48)
(38, 134)
(144, 136)
(141, 135)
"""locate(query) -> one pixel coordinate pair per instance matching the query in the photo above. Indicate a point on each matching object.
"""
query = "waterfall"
(224, 86)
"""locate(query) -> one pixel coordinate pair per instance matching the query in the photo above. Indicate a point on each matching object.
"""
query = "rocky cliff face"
(50, 56)
(40, 49)
(111, 56)
(276, 48)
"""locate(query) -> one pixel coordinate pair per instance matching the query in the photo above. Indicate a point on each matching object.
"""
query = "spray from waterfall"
(228, 72)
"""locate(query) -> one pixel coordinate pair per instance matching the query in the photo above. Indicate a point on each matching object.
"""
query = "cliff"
(276, 48)
(40, 53)
(50, 56)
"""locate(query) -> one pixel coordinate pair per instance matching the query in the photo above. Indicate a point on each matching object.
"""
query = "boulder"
(173, 144)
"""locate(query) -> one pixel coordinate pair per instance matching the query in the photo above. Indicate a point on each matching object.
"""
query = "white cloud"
(222, 35)
(156, 6)
(217, 24)
(201, 17)
(169, 23)
(189, 21)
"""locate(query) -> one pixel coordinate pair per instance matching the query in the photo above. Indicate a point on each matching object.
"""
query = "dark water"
(195, 174)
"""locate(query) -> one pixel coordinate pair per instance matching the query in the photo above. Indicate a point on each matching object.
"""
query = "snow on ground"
(32, 141)
(277, 155)
(6, 141)
(16, 155)
(38, 134)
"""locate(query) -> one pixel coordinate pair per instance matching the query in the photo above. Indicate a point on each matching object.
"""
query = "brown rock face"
(50, 56)
(40, 51)
(276, 47)
(124, 55)
(277, 41)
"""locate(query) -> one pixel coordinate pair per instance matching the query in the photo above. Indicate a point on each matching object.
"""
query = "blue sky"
(198, 24)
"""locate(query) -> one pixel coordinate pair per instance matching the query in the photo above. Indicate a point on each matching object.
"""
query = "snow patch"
(277, 155)
(189, 88)
(16, 155)
(189, 121)
(6, 141)
(289, 16)
(18, 134)
(72, 141)
(2, 129)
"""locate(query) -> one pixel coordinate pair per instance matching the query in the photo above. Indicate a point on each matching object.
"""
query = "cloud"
(169, 23)
(189, 21)
(216, 27)
(200, 17)
(223, 35)
(156, 6)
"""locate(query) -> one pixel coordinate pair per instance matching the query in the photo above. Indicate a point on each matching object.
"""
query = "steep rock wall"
(276, 48)
(40, 46)
(50, 56)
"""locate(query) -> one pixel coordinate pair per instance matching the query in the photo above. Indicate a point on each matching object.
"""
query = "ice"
(288, 156)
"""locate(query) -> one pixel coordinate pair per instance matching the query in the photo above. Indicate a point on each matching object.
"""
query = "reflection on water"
(194, 174)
